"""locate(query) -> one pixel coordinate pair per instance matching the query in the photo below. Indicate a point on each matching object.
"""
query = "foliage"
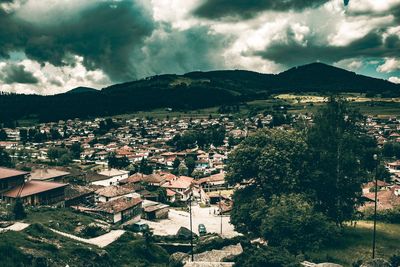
(218, 242)
(118, 162)
(190, 163)
(387, 215)
(59, 154)
(144, 167)
(341, 157)
(128, 250)
(292, 223)
(92, 230)
(213, 135)
(12, 256)
(76, 150)
(3, 135)
(391, 149)
(5, 159)
(272, 159)
(19, 210)
(266, 256)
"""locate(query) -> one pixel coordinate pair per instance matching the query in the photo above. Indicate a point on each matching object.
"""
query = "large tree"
(341, 157)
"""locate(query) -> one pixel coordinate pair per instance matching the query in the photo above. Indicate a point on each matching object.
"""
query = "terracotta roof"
(168, 176)
(213, 178)
(7, 173)
(386, 199)
(74, 191)
(134, 178)
(372, 184)
(118, 205)
(113, 191)
(113, 172)
(183, 182)
(153, 178)
(45, 174)
(32, 188)
(170, 192)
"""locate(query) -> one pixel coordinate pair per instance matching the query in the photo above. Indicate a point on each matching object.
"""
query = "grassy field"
(62, 219)
(356, 244)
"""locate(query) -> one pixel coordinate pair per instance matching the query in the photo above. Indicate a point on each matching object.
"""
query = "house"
(213, 182)
(111, 192)
(48, 175)
(370, 186)
(387, 199)
(133, 179)
(154, 210)
(118, 210)
(113, 176)
(37, 193)
(181, 185)
(10, 178)
(393, 166)
(77, 194)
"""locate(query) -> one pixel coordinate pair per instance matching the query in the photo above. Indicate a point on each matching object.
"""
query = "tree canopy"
(298, 184)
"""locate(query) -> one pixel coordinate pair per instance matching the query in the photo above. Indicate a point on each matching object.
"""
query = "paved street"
(200, 215)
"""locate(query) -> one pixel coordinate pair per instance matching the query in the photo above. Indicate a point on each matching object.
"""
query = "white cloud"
(394, 79)
(390, 65)
(53, 80)
(371, 6)
(350, 64)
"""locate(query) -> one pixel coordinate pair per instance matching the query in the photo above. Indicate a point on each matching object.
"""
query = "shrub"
(389, 215)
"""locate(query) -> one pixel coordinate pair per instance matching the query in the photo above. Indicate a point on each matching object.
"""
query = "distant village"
(125, 170)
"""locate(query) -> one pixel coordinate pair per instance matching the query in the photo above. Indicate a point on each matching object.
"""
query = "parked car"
(202, 230)
(138, 227)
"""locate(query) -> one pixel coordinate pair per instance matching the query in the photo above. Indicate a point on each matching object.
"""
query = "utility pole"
(191, 227)
(220, 210)
(376, 200)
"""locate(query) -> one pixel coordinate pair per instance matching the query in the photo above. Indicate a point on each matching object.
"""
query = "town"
(164, 175)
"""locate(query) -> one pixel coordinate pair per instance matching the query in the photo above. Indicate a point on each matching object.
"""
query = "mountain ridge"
(192, 90)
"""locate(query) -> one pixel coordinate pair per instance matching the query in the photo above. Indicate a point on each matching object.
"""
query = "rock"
(376, 263)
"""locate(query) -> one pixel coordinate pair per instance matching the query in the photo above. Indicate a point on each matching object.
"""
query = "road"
(100, 241)
(200, 216)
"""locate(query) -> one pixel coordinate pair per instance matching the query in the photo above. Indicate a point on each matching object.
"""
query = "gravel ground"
(199, 215)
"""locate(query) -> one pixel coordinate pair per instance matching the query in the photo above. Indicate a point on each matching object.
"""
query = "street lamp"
(376, 200)
(191, 227)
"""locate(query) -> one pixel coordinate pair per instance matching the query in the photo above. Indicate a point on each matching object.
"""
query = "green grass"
(62, 219)
(356, 244)
(39, 243)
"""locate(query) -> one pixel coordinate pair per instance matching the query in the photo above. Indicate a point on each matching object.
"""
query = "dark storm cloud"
(291, 53)
(182, 51)
(13, 73)
(217, 9)
(104, 35)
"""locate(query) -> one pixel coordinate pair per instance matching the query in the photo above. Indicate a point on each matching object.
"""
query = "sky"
(49, 47)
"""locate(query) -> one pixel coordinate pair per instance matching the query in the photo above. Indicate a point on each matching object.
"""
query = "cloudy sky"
(51, 46)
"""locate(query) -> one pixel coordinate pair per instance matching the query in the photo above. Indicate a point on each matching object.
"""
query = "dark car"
(202, 230)
(139, 227)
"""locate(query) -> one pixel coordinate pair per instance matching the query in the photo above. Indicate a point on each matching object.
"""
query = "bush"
(218, 243)
(266, 256)
(389, 215)
(19, 210)
(92, 230)
(11, 256)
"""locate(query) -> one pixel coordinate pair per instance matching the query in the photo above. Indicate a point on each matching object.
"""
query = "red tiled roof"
(32, 188)
(118, 205)
(113, 191)
(183, 182)
(7, 173)
(134, 178)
